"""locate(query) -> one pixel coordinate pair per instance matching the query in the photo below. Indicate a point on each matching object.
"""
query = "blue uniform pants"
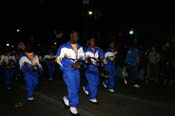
(8, 77)
(132, 74)
(31, 79)
(16, 71)
(112, 77)
(72, 80)
(51, 69)
(93, 82)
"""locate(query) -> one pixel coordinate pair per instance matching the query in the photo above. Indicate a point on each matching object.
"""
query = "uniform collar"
(111, 50)
(69, 45)
(90, 48)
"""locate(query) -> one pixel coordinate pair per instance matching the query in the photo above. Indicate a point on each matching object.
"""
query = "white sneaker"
(93, 100)
(85, 91)
(111, 90)
(125, 81)
(73, 110)
(30, 99)
(66, 101)
(136, 86)
(104, 85)
(9, 89)
(19, 105)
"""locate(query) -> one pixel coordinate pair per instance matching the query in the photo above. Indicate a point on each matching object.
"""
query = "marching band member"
(110, 67)
(93, 54)
(68, 56)
(30, 66)
(8, 64)
(18, 55)
(17, 70)
(132, 60)
(50, 63)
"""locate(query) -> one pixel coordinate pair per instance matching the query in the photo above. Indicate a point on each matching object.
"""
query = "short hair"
(74, 31)
(29, 46)
(91, 38)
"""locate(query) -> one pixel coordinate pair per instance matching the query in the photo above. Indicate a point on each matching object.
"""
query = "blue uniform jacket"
(131, 57)
(97, 54)
(26, 64)
(110, 56)
(68, 56)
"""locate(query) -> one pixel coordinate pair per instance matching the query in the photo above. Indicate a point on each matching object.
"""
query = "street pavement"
(146, 101)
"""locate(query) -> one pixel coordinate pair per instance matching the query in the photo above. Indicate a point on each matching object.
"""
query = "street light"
(12, 46)
(90, 12)
(17, 30)
(133, 35)
(7, 44)
(55, 43)
(131, 32)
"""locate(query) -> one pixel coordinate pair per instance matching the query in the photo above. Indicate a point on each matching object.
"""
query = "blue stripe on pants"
(72, 80)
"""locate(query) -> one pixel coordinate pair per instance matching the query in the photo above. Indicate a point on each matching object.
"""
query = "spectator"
(153, 64)
(167, 58)
(132, 60)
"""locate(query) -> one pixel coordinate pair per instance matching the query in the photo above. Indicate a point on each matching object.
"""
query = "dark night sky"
(38, 16)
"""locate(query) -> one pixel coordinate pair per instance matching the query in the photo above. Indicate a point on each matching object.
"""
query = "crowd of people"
(134, 66)
(158, 64)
